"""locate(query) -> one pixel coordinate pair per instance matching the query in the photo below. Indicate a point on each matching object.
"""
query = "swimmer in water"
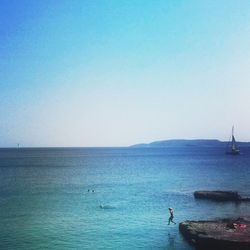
(171, 211)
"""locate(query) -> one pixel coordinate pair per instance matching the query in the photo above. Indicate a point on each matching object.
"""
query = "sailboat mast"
(233, 147)
(233, 140)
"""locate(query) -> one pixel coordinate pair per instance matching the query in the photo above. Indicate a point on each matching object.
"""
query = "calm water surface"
(45, 202)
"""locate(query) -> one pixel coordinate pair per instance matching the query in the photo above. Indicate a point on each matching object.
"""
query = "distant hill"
(188, 143)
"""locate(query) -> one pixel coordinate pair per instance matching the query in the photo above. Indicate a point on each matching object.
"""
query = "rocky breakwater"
(226, 234)
(220, 196)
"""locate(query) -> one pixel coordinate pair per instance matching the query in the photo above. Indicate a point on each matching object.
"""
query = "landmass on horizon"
(188, 143)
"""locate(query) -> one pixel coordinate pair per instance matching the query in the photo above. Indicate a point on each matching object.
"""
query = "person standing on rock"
(171, 211)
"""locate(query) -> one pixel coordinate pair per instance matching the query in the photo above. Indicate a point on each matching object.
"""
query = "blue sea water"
(112, 198)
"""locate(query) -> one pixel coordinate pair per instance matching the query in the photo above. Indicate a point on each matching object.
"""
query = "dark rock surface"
(219, 195)
(226, 234)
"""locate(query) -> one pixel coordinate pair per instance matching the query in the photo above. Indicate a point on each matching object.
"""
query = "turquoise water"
(45, 202)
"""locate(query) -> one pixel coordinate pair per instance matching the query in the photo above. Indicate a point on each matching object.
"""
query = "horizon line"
(146, 143)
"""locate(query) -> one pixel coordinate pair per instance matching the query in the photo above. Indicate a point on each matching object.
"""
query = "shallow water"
(112, 198)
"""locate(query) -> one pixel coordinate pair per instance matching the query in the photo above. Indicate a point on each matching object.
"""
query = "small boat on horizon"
(232, 146)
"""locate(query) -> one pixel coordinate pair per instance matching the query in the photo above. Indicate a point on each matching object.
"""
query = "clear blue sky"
(115, 73)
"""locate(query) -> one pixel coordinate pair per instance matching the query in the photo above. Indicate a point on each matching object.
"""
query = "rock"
(226, 234)
(218, 195)
(245, 199)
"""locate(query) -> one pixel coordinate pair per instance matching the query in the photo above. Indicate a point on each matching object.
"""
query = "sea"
(113, 198)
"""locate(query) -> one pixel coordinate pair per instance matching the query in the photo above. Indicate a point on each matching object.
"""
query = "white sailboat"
(232, 146)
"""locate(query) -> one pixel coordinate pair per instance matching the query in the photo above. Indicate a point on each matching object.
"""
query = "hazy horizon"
(121, 146)
(118, 73)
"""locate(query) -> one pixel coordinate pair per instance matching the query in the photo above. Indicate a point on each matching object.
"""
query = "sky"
(116, 73)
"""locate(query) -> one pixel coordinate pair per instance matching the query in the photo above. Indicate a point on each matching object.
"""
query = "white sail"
(233, 149)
